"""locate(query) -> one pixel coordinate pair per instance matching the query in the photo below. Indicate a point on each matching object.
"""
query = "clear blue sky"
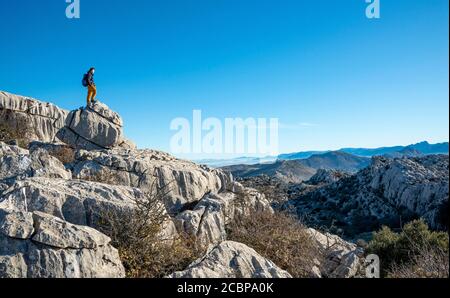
(333, 77)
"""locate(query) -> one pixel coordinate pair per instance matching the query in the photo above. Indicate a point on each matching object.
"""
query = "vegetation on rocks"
(9, 135)
(415, 252)
(145, 250)
(279, 237)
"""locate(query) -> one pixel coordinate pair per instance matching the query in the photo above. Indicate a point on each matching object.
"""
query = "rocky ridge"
(49, 211)
(41, 120)
(389, 191)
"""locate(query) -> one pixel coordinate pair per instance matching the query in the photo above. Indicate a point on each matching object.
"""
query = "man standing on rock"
(88, 81)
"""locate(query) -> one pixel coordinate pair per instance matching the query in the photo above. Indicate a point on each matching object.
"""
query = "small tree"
(138, 235)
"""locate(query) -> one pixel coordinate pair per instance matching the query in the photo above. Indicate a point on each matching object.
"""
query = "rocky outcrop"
(78, 202)
(184, 181)
(50, 212)
(39, 245)
(342, 259)
(93, 127)
(208, 219)
(31, 118)
(16, 163)
(232, 260)
(388, 192)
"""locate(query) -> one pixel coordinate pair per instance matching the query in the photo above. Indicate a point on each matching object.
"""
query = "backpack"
(84, 82)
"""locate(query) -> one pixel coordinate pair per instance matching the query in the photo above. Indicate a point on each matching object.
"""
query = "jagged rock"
(232, 260)
(77, 202)
(388, 192)
(342, 259)
(208, 218)
(91, 128)
(31, 118)
(43, 246)
(6, 149)
(184, 181)
(16, 224)
(417, 184)
(18, 163)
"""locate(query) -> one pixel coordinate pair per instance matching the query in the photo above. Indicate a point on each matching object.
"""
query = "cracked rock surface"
(91, 128)
(40, 245)
(41, 120)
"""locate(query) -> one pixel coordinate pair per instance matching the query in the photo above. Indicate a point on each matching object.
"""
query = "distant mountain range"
(422, 148)
(419, 149)
(218, 163)
(285, 170)
(299, 170)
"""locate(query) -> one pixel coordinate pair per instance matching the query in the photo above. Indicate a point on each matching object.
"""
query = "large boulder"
(184, 181)
(232, 260)
(93, 127)
(39, 245)
(208, 219)
(31, 118)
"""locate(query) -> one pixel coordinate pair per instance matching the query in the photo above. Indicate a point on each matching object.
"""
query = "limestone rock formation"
(18, 163)
(6, 149)
(31, 118)
(385, 193)
(232, 260)
(184, 181)
(50, 212)
(93, 127)
(209, 217)
(342, 259)
(39, 245)
(78, 202)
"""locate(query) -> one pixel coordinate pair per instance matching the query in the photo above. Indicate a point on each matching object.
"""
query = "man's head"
(92, 70)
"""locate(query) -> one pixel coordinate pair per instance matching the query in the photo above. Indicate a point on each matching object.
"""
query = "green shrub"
(409, 249)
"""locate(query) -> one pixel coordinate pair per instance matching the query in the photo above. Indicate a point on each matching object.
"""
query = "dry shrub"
(9, 135)
(102, 176)
(143, 248)
(279, 237)
(65, 154)
(427, 263)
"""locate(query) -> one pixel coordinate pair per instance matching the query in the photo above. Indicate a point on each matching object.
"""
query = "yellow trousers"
(92, 93)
